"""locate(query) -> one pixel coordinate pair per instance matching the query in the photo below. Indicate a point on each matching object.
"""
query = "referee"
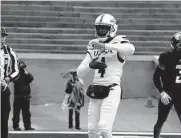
(9, 72)
(167, 79)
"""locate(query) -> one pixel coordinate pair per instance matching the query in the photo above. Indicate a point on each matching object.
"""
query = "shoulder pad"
(122, 39)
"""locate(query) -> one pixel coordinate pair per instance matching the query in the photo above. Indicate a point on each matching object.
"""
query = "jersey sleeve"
(157, 79)
(122, 45)
(84, 68)
(121, 39)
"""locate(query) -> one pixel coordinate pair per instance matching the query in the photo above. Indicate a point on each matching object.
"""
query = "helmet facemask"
(105, 26)
(102, 30)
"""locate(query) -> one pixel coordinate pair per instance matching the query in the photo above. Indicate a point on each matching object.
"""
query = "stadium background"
(51, 36)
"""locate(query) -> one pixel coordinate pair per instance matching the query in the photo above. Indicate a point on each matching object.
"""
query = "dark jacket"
(165, 80)
(22, 85)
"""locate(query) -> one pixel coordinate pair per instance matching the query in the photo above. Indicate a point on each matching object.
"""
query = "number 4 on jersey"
(102, 71)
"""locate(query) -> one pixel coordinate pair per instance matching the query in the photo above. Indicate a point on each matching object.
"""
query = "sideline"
(68, 132)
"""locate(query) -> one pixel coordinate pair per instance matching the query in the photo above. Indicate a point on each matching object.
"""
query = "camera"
(21, 64)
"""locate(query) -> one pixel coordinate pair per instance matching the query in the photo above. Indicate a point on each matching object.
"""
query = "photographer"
(22, 95)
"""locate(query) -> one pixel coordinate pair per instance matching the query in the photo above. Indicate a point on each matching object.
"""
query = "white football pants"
(102, 113)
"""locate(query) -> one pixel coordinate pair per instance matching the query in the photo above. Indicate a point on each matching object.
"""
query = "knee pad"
(93, 129)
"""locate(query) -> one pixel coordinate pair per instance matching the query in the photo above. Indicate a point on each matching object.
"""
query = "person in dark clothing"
(9, 72)
(74, 99)
(167, 79)
(22, 95)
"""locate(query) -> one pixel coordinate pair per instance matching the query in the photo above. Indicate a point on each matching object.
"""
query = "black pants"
(24, 105)
(5, 110)
(77, 118)
(163, 111)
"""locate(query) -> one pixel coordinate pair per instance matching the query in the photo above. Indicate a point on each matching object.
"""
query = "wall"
(48, 86)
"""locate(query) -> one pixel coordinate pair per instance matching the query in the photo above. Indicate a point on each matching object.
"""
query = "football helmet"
(176, 41)
(105, 26)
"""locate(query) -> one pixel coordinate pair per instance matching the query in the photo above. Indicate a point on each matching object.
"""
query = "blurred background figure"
(74, 99)
(22, 95)
(9, 72)
(167, 79)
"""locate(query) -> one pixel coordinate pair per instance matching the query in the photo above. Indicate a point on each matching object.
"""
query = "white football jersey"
(114, 61)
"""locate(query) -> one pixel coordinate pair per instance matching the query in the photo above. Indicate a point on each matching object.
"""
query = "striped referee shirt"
(9, 63)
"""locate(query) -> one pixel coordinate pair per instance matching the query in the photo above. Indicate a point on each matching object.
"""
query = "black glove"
(97, 65)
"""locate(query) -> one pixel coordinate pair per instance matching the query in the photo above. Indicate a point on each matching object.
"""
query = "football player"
(106, 55)
(167, 79)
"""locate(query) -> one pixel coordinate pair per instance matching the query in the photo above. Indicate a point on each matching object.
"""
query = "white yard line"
(114, 133)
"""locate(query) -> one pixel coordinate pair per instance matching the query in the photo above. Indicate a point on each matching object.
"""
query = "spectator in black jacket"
(167, 79)
(22, 95)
